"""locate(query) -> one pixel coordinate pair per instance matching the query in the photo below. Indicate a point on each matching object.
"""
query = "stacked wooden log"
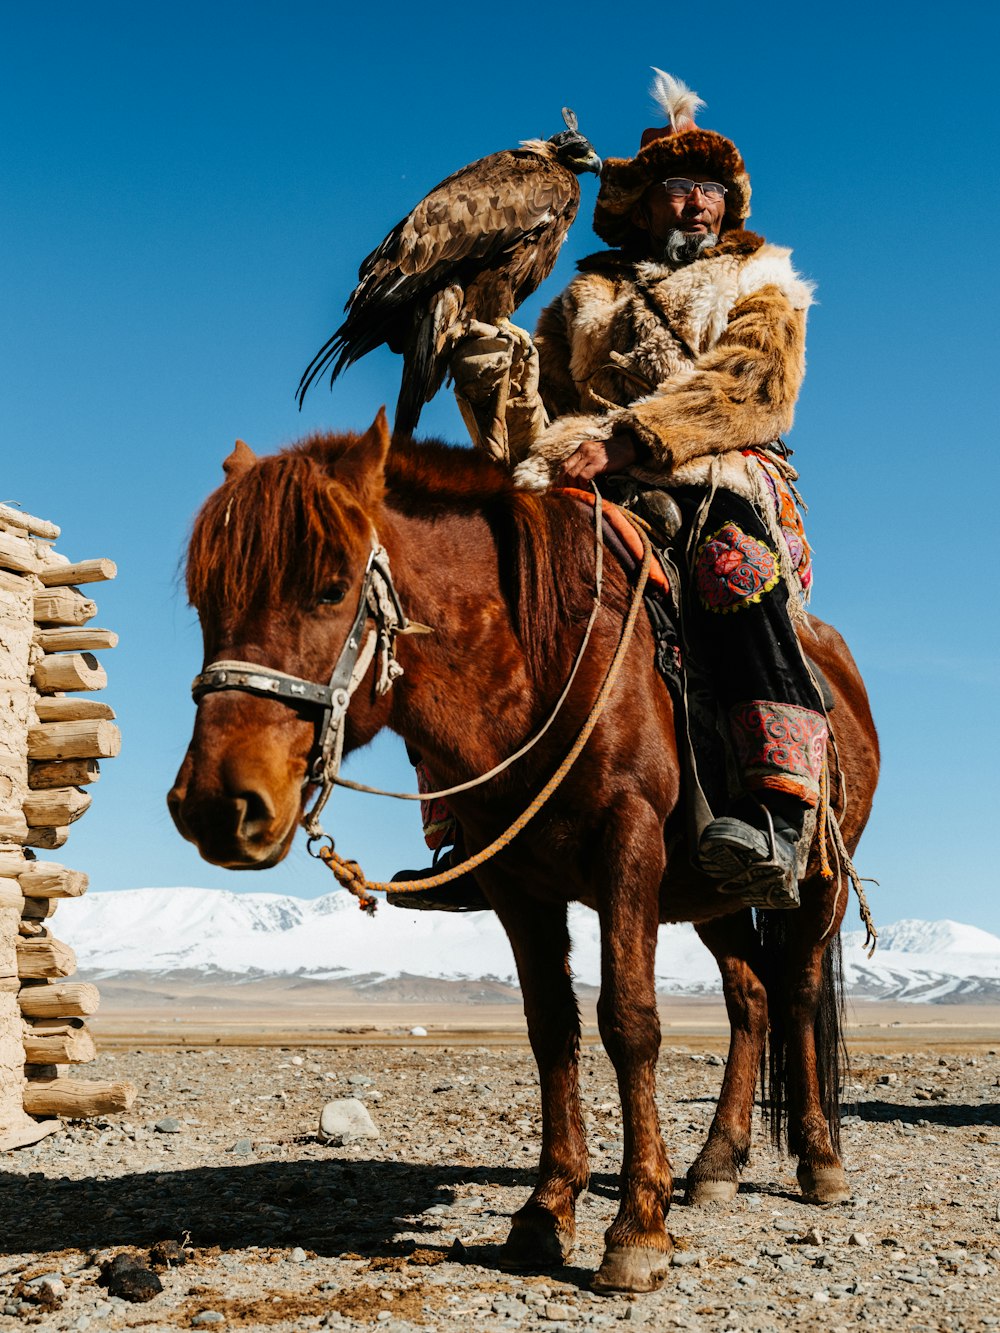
(52, 736)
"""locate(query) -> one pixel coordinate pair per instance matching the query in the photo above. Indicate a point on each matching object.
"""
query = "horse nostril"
(256, 811)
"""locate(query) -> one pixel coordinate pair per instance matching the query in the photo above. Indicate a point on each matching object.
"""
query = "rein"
(379, 601)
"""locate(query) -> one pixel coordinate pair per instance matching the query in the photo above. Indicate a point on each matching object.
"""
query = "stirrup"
(459, 895)
(761, 869)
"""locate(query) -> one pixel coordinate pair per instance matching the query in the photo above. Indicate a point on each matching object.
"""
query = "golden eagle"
(473, 249)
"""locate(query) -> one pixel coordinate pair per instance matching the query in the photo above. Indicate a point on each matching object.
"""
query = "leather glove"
(495, 375)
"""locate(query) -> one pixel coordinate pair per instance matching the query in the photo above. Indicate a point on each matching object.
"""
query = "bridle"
(377, 601)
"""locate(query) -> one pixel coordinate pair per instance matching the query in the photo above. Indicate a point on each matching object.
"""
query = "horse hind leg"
(637, 1246)
(544, 1228)
(715, 1173)
(806, 1042)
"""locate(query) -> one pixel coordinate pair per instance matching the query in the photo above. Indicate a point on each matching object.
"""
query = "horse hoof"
(824, 1184)
(631, 1268)
(700, 1193)
(536, 1244)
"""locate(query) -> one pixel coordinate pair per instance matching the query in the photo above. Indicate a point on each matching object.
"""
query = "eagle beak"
(593, 163)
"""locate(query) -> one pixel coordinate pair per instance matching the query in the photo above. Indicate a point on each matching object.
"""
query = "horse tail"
(831, 1050)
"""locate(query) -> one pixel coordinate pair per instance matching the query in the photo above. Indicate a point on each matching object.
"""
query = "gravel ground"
(401, 1233)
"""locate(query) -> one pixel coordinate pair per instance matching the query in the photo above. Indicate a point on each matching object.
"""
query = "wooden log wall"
(53, 734)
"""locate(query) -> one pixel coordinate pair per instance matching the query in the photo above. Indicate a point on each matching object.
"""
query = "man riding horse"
(673, 362)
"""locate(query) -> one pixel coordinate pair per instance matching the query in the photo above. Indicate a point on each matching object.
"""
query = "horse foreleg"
(714, 1175)
(812, 1041)
(543, 1229)
(637, 1246)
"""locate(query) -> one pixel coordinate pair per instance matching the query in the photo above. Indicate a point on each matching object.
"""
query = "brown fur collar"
(622, 263)
(637, 324)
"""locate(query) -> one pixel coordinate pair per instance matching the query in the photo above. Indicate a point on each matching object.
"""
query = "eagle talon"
(516, 333)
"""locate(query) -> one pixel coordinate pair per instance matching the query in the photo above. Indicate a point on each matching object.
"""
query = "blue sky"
(186, 192)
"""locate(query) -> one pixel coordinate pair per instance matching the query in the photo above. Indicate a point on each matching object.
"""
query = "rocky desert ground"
(254, 1221)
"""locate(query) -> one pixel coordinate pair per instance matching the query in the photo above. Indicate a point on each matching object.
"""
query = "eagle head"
(572, 150)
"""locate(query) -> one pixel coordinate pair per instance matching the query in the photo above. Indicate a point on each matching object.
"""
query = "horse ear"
(242, 458)
(361, 465)
(377, 437)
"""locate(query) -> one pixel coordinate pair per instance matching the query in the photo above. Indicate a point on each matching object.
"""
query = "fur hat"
(669, 150)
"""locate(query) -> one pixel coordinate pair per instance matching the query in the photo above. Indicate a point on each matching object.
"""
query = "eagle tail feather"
(421, 374)
(341, 350)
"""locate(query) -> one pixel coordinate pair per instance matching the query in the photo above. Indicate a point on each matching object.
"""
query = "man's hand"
(594, 457)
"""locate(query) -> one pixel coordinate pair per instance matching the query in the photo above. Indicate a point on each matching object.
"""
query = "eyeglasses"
(679, 188)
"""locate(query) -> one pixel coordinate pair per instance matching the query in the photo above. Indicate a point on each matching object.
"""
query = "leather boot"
(459, 895)
(757, 858)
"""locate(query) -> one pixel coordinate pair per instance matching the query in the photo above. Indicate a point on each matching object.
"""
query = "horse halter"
(378, 601)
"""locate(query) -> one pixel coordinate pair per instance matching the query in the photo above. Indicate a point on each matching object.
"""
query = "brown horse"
(505, 581)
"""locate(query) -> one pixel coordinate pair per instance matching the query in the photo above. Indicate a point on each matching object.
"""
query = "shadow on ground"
(931, 1113)
(330, 1207)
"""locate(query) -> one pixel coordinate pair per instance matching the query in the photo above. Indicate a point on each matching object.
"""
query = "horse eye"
(333, 596)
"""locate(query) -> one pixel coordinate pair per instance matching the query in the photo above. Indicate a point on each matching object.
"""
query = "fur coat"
(698, 362)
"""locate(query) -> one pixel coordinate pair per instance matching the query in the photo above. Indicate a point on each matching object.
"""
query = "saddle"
(621, 537)
(701, 730)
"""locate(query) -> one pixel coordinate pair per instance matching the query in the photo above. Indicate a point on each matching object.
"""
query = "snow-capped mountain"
(165, 930)
(925, 960)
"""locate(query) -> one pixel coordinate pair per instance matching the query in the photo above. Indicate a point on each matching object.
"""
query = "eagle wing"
(471, 221)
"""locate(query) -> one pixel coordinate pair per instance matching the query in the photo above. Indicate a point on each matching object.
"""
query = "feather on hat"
(676, 100)
(669, 150)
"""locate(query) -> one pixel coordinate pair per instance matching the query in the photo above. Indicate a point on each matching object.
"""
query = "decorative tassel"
(825, 869)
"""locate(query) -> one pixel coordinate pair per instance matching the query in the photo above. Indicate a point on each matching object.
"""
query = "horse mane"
(279, 530)
(544, 552)
(284, 529)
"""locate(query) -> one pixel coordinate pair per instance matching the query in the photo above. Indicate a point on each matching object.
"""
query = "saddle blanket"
(622, 538)
(623, 526)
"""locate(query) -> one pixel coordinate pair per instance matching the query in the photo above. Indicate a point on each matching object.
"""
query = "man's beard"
(683, 247)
